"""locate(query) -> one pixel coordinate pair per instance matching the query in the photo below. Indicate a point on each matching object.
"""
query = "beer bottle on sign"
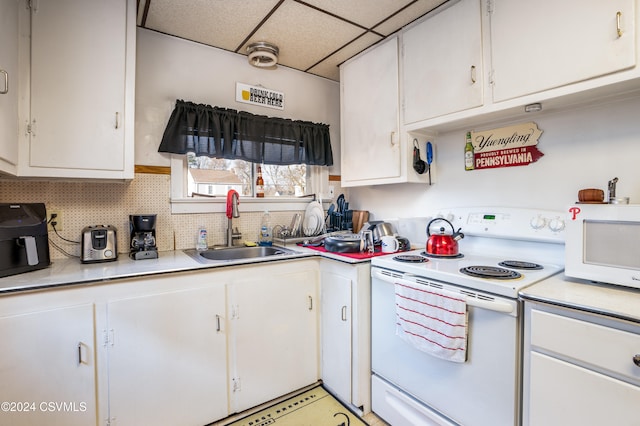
(468, 154)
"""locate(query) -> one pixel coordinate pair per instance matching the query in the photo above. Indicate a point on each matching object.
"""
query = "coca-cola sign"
(506, 147)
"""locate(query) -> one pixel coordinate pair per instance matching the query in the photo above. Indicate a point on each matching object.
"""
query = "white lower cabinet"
(48, 365)
(273, 333)
(579, 369)
(346, 332)
(167, 357)
(185, 348)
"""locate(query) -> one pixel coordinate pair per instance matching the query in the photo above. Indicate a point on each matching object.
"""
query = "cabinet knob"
(636, 359)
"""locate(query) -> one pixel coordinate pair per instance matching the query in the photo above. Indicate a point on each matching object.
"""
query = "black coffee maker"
(142, 229)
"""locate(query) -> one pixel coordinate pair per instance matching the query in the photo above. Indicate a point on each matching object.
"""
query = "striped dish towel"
(432, 320)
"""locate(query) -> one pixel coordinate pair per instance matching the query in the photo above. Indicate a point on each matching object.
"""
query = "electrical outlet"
(332, 190)
(55, 216)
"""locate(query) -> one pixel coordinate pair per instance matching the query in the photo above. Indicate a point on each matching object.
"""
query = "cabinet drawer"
(603, 347)
(561, 393)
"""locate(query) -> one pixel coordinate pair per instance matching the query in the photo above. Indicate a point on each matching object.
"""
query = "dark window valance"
(230, 134)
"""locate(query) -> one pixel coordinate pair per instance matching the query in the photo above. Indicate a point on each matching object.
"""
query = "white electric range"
(518, 248)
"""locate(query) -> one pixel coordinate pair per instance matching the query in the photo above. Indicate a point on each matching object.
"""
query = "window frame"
(317, 183)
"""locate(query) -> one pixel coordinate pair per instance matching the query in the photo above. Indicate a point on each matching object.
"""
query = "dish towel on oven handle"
(432, 320)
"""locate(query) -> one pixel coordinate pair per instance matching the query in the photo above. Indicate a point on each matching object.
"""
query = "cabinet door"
(565, 394)
(78, 66)
(8, 85)
(167, 358)
(48, 367)
(541, 45)
(335, 327)
(274, 336)
(442, 63)
(369, 116)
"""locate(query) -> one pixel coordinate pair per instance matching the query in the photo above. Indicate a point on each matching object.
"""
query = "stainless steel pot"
(379, 229)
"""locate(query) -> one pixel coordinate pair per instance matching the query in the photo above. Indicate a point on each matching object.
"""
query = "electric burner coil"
(517, 264)
(493, 272)
(410, 258)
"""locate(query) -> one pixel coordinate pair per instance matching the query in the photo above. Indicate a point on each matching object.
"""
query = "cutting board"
(359, 219)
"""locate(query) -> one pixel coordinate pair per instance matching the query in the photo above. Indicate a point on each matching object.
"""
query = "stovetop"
(447, 270)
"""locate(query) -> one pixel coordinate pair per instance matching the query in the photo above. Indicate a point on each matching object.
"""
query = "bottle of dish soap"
(265, 237)
(201, 240)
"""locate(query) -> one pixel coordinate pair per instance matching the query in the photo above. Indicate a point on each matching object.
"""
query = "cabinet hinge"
(489, 7)
(491, 77)
(236, 384)
(107, 337)
(31, 127)
(235, 312)
(33, 5)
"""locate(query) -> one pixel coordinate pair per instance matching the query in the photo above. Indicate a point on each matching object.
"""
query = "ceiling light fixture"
(263, 54)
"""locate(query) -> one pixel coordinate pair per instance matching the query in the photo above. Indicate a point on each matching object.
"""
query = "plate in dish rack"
(312, 223)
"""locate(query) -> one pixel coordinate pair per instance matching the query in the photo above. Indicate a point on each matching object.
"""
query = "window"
(215, 177)
(216, 149)
(184, 201)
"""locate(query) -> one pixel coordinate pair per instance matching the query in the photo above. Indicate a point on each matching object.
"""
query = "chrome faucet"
(232, 211)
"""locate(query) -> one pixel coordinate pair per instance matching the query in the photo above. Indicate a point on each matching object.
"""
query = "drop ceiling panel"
(408, 15)
(223, 24)
(364, 12)
(304, 35)
(312, 35)
(329, 68)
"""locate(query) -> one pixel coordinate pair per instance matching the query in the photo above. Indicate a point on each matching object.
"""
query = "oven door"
(482, 391)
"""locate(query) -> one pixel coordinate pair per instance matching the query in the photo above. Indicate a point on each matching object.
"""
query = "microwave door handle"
(32, 250)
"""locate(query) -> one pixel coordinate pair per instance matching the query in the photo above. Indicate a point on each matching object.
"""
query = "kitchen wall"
(583, 148)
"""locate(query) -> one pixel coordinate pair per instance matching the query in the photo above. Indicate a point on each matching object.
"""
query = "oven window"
(612, 243)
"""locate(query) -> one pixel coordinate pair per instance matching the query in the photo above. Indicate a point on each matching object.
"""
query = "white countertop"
(606, 299)
(64, 272)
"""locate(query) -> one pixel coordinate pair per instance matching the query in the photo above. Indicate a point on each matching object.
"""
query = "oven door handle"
(492, 305)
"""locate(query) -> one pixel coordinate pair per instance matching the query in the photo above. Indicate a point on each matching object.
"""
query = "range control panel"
(508, 222)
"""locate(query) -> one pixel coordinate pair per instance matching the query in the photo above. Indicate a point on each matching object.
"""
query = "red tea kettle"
(443, 244)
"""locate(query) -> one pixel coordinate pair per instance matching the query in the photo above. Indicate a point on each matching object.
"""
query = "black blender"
(142, 229)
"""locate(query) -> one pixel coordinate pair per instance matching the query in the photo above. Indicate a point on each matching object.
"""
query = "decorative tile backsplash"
(110, 203)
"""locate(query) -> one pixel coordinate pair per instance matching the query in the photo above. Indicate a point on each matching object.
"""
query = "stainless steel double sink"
(213, 255)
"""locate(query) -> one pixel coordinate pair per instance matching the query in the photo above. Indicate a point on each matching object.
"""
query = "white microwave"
(603, 243)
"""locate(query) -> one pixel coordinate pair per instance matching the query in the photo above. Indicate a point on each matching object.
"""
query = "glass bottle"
(259, 183)
(468, 154)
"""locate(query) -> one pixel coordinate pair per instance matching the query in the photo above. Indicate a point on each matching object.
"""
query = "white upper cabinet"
(536, 46)
(369, 116)
(80, 116)
(442, 69)
(8, 85)
(374, 150)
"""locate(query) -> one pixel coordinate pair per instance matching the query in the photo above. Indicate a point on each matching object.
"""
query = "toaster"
(99, 244)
